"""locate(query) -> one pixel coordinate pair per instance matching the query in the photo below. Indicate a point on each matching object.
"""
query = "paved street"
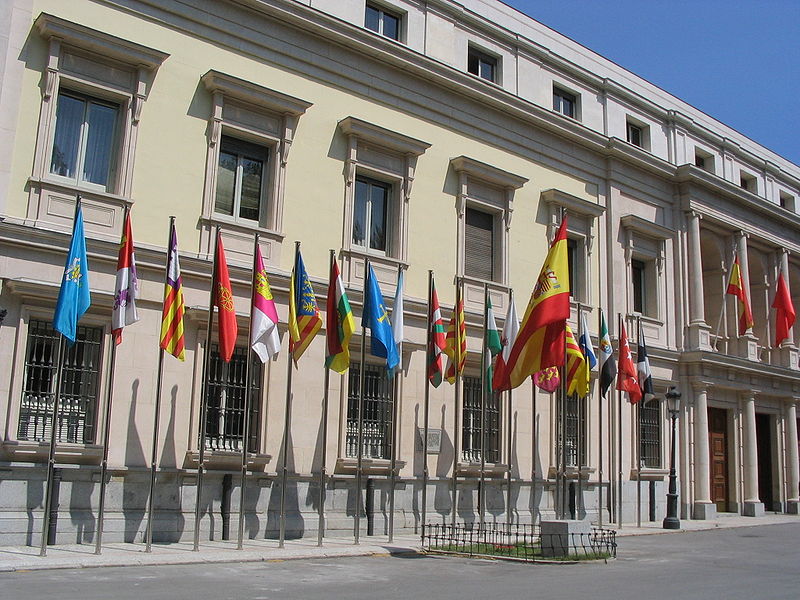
(752, 563)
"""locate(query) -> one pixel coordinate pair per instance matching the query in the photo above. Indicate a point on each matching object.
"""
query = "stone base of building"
(753, 509)
(793, 507)
(704, 511)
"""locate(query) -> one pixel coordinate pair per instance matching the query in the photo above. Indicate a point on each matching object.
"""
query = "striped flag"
(172, 339)
(608, 367)
(304, 318)
(643, 368)
(226, 311)
(736, 288)
(577, 367)
(126, 288)
(510, 331)
(540, 342)
(73, 295)
(493, 344)
(456, 341)
(340, 323)
(437, 343)
(265, 339)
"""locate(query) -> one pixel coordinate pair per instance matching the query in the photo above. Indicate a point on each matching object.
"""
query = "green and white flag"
(493, 344)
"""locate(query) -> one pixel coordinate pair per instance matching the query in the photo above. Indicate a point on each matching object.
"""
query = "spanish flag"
(540, 342)
(736, 288)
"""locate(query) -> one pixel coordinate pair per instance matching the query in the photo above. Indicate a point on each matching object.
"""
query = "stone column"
(703, 507)
(792, 460)
(752, 507)
(748, 343)
(699, 331)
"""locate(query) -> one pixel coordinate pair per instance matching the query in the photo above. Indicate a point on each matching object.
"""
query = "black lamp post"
(671, 521)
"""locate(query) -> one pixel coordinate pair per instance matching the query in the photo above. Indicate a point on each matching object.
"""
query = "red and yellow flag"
(456, 340)
(304, 318)
(226, 311)
(577, 367)
(736, 288)
(172, 339)
(540, 342)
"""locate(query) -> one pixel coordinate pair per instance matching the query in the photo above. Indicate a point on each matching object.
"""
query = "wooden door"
(718, 445)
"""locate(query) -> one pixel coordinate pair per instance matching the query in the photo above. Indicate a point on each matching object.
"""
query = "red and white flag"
(500, 379)
(126, 288)
(265, 341)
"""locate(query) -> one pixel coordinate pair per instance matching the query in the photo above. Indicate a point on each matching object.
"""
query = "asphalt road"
(749, 563)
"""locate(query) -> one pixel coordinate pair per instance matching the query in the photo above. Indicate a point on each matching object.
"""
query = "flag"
(784, 319)
(585, 342)
(172, 339)
(456, 341)
(436, 343)
(126, 288)
(226, 311)
(510, 331)
(608, 367)
(73, 296)
(376, 319)
(540, 342)
(643, 368)
(264, 338)
(577, 367)
(493, 344)
(397, 317)
(340, 323)
(547, 379)
(626, 379)
(304, 317)
(736, 288)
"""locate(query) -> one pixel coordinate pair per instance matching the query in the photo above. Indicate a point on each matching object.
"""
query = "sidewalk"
(73, 556)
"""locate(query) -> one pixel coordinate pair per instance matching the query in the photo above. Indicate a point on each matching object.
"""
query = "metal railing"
(519, 542)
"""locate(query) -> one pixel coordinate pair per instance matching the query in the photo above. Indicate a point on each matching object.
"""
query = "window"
(635, 134)
(84, 145)
(704, 160)
(565, 103)
(639, 283)
(241, 179)
(479, 245)
(650, 434)
(574, 424)
(382, 22)
(786, 201)
(748, 182)
(572, 252)
(376, 413)
(77, 412)
(481, 64)
(226, 387)
(370, 214)
(471, 423)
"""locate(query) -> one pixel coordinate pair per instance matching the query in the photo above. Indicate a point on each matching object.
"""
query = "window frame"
(242, 148)
(382, 13)
(494, 261)
(560, 95)
(389, 210)
(386, 408)
(646, 242)
(470, 451)
(481, 57)
(651, 421)
(634, 134)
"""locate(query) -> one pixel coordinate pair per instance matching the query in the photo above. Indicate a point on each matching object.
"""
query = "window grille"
(575, 425)
(79, 384)
(471, 423)
(226, 386)
(650, 434)
(376, 413)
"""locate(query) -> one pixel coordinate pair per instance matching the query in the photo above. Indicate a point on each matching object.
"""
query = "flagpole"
(564, 406)
(509, 423)
(204, 397)
(395, 388)
(579, 402)
(456, 436)
(619, 434)
(106, 436)
(324, 458)
(51, 461)
(426, 410)
(638, 438)
(247, 402)
(360, 414)
(482, 484)
(599, 425)
(286, 424)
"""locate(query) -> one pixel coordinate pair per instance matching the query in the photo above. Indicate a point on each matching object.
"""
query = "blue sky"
(737, 60)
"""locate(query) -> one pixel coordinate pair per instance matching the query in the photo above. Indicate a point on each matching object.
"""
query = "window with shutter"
(479, 244)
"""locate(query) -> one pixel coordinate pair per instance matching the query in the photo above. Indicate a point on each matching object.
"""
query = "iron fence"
(519, 542)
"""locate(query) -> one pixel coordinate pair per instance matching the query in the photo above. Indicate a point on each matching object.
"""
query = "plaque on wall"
(434, 440)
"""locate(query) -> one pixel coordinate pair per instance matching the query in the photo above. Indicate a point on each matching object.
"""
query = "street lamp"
(671, 521)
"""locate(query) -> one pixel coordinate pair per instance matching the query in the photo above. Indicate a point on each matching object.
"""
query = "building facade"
(438, 135)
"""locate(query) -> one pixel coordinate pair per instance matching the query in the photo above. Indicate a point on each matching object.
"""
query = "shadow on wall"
(294, 521)
(170, 524)
(313, 493)
(443, 499)
(35, 500)
(134, 489)
(80, 506)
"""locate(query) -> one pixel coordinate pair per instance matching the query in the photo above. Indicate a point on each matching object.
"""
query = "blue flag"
(376, 319)
(73, 297)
